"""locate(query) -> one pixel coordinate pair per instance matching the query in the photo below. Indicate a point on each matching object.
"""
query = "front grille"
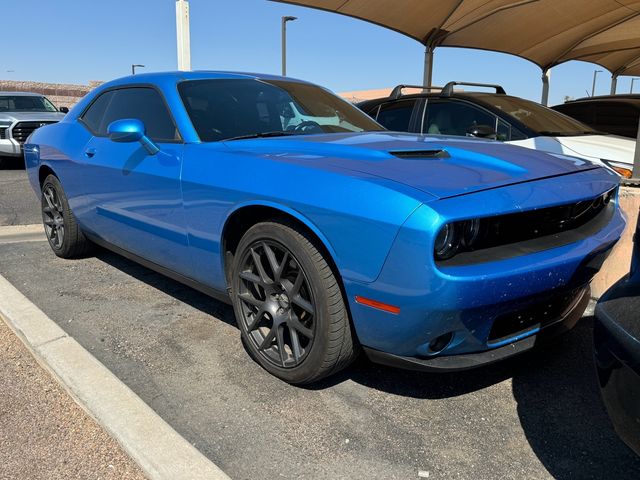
(22, 130)
(3, 133)
(512, 235)
(538, 315)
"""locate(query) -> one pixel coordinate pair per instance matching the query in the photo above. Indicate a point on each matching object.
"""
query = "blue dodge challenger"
(327, 233)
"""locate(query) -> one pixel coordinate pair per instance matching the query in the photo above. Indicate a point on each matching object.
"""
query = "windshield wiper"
(276, 133)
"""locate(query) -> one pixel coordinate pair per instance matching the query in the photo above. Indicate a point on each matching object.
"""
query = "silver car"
(20, 114)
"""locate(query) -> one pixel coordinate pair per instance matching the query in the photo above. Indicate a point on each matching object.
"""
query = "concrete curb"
(22, 233)
(152, 443)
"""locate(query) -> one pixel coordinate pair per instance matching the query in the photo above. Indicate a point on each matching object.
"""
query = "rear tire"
(60, 225)
(289, 305)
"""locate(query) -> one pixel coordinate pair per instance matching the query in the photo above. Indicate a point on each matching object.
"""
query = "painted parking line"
(159, 450)
(22, 233)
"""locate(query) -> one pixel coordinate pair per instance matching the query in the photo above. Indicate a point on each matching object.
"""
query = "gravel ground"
(44, 434)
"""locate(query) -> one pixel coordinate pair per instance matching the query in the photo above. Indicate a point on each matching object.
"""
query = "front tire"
(289, 305)
(60, 225)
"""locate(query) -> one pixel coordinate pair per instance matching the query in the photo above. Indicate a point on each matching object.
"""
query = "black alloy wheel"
(289, 305)
(52, 216)
(60, 225)
(277, 306)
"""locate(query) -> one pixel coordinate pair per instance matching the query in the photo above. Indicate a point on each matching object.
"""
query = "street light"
(631, 89)
(593, 87)
(133, 68)
(284, 43)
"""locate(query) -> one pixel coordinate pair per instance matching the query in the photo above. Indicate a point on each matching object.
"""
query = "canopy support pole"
(428, 66)
(546, 76)
(614, 83)
(184, 38)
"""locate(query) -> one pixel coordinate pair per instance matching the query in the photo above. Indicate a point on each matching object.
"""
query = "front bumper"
(539, 332)
(471, 308)
(11, 148)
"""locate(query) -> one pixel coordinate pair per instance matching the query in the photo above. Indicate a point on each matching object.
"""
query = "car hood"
(440, 166)
(31, 116)
(604, 147)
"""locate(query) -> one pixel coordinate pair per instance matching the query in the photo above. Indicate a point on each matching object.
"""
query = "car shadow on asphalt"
(177, 290)
(11, 163)
(555, 387)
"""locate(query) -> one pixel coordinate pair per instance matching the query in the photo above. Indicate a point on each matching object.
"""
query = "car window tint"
(396, 116)
(95, 113)
(455, 118)
(580, 111)
(144, 104)
(222, 109)
(503, 131)
(617, 118)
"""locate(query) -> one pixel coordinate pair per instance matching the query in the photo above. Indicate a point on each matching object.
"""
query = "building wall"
(61, 94)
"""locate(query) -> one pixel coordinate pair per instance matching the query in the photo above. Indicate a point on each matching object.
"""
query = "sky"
(75, 41)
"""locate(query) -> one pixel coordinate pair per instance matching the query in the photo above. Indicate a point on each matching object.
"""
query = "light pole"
(593, 87)
(631, 89)
(134, 66)
(183, 35)
(284, 43)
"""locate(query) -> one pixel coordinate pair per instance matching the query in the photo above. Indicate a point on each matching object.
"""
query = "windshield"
(244, 108)
(541, 119)
(25, 103)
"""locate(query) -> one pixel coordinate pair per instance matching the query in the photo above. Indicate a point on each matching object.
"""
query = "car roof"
(22, 94)
(178, 76)
(456, 94)
(624, 97)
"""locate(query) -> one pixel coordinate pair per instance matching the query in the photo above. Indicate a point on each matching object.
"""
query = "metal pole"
(284, 43)
(427, 79)
(593, 86)
(546, 76)
(183, 34)
(614, 83)
(134, 66)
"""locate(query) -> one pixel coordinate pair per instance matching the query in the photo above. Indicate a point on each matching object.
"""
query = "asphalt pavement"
(18, 203)
(537, 416)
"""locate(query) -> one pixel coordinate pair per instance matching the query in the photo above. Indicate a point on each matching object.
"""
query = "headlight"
(471, 230)
(455, 235)
(621, 169)
(447, 241)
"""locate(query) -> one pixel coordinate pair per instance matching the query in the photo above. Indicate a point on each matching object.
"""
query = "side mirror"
(131, 130)
(482, 131)
(63, 110)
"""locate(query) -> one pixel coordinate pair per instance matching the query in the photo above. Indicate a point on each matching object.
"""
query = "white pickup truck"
(20, 114)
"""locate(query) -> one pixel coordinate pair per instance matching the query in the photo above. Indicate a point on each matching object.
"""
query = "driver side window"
(455, 118)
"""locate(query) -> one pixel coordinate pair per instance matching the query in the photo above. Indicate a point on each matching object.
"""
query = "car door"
(455, 117)
(135, 199)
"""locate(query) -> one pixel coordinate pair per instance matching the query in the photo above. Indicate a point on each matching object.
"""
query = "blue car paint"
(376, 214)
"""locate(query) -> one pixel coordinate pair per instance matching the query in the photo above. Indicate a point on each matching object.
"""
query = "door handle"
(89, 152)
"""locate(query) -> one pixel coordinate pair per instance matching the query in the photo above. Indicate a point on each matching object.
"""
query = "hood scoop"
(420, 154)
